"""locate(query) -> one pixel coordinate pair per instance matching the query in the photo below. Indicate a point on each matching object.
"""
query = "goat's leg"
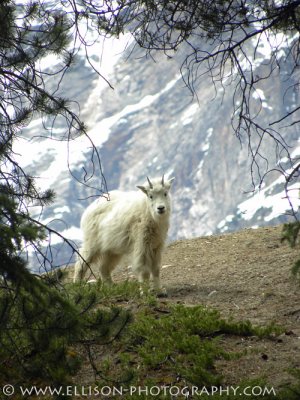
(79, 270)
(107, 263)
(143, 278)
(155, 272)
(86, 257)
(156, 279)
(159, 290)
(142, 272)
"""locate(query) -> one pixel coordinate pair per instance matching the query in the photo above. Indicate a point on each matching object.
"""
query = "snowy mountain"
(150, 124)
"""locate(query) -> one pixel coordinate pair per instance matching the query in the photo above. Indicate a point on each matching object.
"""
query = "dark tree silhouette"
(38, 323)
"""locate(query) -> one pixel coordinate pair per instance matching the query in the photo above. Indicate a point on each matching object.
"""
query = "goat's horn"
(163, 180)
(150, 184)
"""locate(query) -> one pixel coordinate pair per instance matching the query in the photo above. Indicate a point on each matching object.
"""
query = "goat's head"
(157, 192)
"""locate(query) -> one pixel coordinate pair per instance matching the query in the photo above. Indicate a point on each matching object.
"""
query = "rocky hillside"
(151, 124)
(245, 275)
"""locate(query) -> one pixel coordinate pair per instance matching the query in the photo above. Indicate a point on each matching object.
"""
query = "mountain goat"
(133, 224)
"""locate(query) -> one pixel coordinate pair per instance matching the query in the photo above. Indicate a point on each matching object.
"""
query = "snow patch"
(222, 224)
(62, 209)
(258, 94)
(205, 146)
(189, 113)
(277, 203)
(268, 43)
(73, 234)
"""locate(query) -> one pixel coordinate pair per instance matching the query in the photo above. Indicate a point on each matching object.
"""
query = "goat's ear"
(170, 181)
(143, 189)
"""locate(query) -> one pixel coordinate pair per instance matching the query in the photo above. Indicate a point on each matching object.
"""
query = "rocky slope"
(150, 124)
(246, 276)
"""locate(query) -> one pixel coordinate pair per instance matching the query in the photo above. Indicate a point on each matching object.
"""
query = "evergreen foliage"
(291, 233)
(186, 342)
(38, 323)
(179, 346)
(42, 329)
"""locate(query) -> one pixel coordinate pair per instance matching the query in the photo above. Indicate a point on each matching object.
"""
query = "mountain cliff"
(150, 124)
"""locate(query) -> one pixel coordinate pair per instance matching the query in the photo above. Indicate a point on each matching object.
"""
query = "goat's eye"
(166, 194)
(151, 197)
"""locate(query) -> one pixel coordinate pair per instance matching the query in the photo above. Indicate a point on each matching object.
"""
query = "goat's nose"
(161, 209)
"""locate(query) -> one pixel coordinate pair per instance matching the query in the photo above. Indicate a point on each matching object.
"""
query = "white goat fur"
(133, 224)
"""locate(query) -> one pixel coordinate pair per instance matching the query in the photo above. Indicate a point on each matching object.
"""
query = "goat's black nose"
(161, 209)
